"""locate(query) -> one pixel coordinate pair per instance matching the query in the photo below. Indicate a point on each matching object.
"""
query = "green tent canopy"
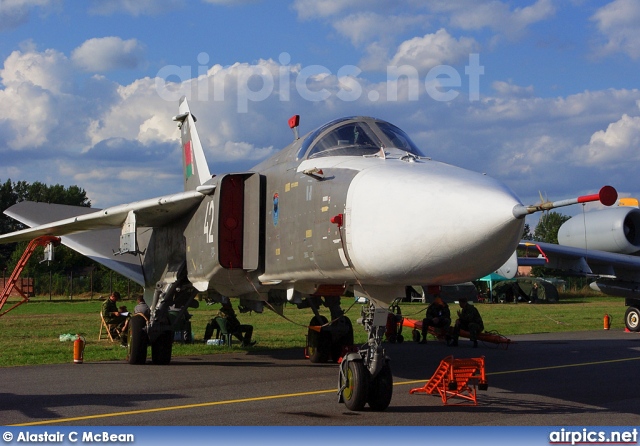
(491, 278)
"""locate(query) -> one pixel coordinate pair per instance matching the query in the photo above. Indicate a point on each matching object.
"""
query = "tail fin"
(196, 170)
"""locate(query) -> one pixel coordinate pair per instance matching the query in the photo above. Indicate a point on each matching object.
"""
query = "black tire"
(632, 319)
(415, 334)
(137, 340)
(400, 339)
(343, 341)
(355, 391)
(318, 343)
(161, 349)
(381, 389)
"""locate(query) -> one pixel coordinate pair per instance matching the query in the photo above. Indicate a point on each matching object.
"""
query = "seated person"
(438, 316)
(142, 307)
(209, 329)
(241, 331)
(112, 316)
(469, 319)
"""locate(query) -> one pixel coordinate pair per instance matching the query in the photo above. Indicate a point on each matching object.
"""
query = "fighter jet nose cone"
(433, 223)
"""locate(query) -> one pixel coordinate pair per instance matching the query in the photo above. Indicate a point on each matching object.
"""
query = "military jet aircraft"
(603, 244)
(352, 207)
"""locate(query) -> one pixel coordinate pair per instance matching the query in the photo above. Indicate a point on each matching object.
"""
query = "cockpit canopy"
(357, 136)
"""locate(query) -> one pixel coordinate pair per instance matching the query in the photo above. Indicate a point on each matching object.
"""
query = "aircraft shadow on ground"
(43, 406)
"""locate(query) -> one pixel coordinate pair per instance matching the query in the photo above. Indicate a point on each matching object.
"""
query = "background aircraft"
(602, 244)
(351, 207)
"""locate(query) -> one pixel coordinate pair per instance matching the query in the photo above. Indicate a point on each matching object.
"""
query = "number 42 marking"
(208, 222)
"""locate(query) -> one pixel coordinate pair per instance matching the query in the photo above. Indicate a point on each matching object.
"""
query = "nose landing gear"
(365, 376)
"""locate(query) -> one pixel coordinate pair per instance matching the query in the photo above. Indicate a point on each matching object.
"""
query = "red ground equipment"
(492, 338)
(10, 285)
(78, 349)
(456, 378)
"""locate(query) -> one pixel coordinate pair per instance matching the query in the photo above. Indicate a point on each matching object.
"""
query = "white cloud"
(14, 13)
(310, 9)
(432, 50)
(137, 114)
(363, 27)
(108, 53)
(508, 89)
(49, 70)
(36, 88)
(238, 151)
(619, 22)
(614, 147)
(495, 15)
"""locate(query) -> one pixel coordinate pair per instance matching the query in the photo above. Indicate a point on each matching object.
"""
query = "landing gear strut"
(158, 330)
(365, 376)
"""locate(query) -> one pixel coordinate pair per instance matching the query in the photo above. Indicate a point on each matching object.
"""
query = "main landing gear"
(158, 330)
(365, 376)
(328, 341)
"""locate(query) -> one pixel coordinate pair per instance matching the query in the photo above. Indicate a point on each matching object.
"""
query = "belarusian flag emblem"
(188, 160)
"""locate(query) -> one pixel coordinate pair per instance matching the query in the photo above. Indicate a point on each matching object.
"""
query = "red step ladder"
(10, 284)
(456, 378)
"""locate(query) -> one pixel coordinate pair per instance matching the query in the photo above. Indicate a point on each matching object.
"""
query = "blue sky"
(88, 89)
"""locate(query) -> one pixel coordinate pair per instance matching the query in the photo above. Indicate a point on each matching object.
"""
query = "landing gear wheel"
(356, 385)
(318, 343)
(381, 389)
(415, 335)
(346, 340)
(161, 349)
(137, 340)
(632, 319)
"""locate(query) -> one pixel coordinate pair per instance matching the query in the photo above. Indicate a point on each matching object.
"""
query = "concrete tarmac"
(581, 378)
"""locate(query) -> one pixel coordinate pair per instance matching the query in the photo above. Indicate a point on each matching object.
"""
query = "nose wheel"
(354, 384)
(365, 376)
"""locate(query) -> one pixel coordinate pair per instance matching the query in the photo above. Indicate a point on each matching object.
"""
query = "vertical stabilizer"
(195, 168)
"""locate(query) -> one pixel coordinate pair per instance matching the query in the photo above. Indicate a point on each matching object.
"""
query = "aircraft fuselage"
(388, 218)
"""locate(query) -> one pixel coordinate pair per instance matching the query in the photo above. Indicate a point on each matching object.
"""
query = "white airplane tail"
(196, 171)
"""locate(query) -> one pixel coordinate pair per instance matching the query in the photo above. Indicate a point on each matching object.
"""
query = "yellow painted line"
(165, 409)
(611, 361)
(290, 395)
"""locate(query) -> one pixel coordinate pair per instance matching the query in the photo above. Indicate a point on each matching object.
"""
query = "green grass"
(30, 333)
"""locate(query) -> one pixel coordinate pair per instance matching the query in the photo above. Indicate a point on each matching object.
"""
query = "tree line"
(70, 273)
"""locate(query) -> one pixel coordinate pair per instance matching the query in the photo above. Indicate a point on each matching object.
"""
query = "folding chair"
(221, 331)
(107, 328)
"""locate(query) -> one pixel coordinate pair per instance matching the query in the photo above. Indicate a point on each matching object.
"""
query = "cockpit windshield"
(352, 139)
(360, 136)
(398, 138)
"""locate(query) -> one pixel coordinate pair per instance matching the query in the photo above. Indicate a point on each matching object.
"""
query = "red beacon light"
(294, 122)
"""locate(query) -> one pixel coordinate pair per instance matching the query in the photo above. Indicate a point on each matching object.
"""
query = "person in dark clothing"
(469, 319)
(533, 295)
(438, 316)
(142, 307)
(241, 331)
(112, 316)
